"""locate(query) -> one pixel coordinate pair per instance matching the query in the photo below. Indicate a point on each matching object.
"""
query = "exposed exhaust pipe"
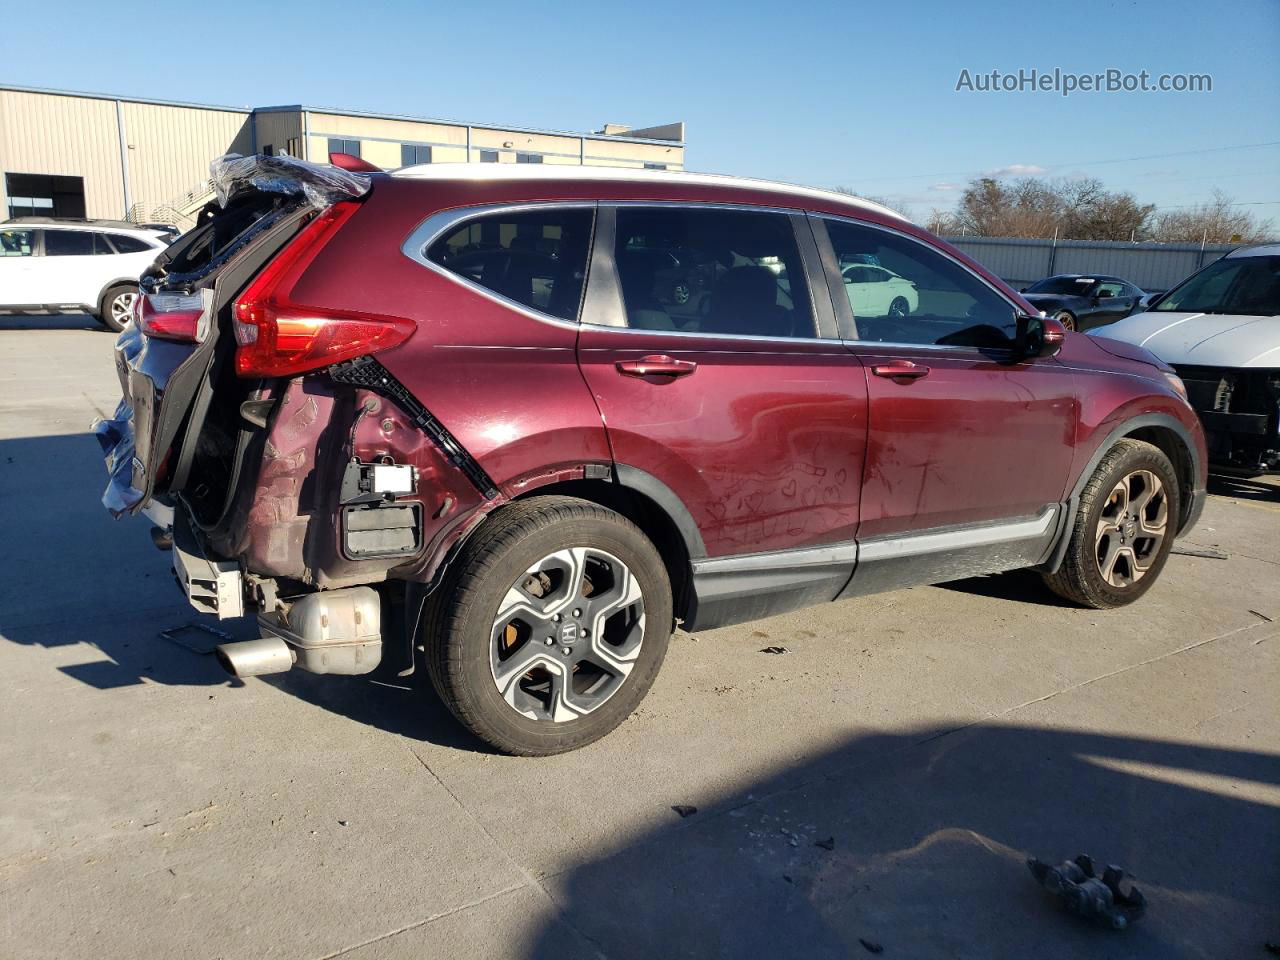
(253, 658)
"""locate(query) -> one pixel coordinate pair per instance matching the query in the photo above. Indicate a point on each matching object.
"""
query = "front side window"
(1243, 285)
(68, 243)
(913, 294)
(411, 153)
(16, 243)
(714, 271)
(536, 258)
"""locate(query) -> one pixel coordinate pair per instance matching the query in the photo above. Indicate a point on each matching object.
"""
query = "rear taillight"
(169, 316)
(278, 337)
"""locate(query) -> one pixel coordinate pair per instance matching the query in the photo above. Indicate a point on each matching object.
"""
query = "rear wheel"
(1124, 528)
(1066, 318)
(899, 307)
(551, 626)
(116, 308)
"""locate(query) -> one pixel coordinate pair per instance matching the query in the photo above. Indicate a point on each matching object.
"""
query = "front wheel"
(1124, 528)
(551, 626)
(116, 308)
(899, 308)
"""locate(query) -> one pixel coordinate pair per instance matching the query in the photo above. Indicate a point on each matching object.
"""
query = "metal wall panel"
(65, 136)
(1155, 267)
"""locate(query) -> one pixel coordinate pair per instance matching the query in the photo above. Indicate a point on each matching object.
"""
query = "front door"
(960, 433)
(720, 375)
(17, 253)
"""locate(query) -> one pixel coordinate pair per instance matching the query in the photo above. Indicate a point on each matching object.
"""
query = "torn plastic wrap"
(115, 435)
(320, 184)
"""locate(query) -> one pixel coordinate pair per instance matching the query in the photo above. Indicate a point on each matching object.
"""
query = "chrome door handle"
(656, 365)
(900, 370)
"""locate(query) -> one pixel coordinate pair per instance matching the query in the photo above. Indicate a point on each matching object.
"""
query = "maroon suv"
(538, 417)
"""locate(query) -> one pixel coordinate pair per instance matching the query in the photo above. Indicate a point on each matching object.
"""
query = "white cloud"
(1016, 170)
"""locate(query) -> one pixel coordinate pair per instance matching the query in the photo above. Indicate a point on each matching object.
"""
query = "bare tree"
(1219, 220)
(1031, 207)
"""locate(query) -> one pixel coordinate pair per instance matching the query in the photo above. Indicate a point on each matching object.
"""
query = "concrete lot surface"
(937, 737)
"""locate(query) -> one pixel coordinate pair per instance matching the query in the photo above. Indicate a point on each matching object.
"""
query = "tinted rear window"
(126, 244)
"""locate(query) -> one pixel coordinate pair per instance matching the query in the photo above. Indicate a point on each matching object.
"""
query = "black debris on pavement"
(1262, 616)
(827, 844)
(871, 946)
(684, 809)
(1077, 884)
(773, 649)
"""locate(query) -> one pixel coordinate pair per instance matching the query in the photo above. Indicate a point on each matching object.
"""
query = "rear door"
(960, 431)
(740, 400)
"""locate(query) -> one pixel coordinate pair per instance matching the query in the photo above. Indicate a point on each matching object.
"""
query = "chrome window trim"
(437, 224)
(611, 206)
(853, 221)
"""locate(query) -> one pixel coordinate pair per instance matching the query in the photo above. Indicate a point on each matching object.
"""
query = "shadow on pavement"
(60, 321)
(1245, 488)
(929, 833)
(1024, 586)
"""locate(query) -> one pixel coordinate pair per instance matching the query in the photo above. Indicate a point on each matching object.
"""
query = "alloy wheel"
(1131, 528)
(1066, 319)
(899, 308)
(567, 634)
(122, 307)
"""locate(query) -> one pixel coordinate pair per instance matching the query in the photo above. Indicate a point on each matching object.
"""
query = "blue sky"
(854, 94)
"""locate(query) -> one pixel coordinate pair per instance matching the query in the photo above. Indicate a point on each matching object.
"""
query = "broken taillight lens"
(169, 316)
(278, 337)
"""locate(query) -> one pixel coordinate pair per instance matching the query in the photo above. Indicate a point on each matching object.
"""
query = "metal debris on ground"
(205, 638)
(1207, 554)
(1262, 616)
(1077, 884)
(684, 809)
(774, 649)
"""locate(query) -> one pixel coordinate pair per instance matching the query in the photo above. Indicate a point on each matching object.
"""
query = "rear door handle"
(656, 365)
(900, 370)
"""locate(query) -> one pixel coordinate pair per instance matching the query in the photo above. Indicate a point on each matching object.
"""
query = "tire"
(899, 307)
(116, 306)
(566, 541)
(1067, 319)
(1103, 530)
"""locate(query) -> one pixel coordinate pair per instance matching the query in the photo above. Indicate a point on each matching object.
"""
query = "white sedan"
(876, 292)
(75, 266)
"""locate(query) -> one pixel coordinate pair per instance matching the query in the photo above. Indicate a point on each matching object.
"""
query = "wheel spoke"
(558, 650)
(1107, 563)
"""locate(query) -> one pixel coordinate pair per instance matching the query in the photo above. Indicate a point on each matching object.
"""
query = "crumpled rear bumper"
(115, 435)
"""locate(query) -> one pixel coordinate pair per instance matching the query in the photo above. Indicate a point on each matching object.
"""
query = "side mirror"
(1039, 336)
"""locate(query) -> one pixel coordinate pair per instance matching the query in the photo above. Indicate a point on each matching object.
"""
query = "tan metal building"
(95, 155)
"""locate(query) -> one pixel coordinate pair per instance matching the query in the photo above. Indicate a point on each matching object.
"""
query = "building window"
(655, 166)
(293, 148)
(528, 158)
(351, 147)
(411, 153)
(40, 195)
(268, 150)
(488, 156)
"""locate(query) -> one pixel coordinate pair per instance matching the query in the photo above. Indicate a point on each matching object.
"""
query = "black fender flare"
(1121, 430)
(646, 484)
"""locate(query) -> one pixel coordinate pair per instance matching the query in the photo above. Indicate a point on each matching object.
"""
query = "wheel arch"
(1173, 439)
(660, 516)
(109, 286)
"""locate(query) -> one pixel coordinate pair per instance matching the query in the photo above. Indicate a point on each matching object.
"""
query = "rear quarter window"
(536, 258)
(126, 244)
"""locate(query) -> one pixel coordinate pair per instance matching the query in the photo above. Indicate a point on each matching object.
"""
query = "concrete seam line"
(422, 923)
(529, 879)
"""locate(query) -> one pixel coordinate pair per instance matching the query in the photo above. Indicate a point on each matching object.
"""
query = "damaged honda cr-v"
(487, 401)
